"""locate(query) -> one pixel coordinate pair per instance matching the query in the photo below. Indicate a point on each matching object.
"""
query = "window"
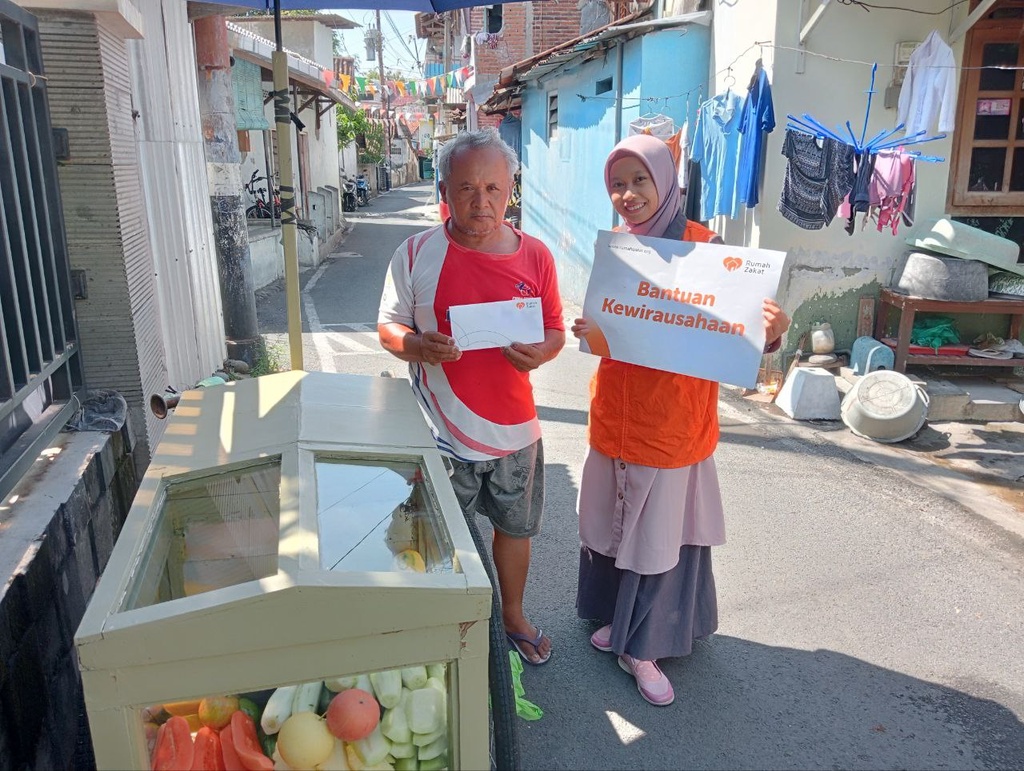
(603, 86)
(552, 115)
(493, 18)
(988, 155)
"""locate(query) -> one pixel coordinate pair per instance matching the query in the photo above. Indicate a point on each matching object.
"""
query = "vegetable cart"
(295, 586)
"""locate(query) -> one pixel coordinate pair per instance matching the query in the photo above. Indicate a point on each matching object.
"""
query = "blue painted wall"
(564, 200)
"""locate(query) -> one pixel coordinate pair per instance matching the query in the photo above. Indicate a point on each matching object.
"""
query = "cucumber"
(374, 748)
(403, 750)
(422, 740)
(307, 697)
(387, 687)
(406, 764)
(437, 670)
(278, 709)
(414, 677)
(395, 726)
(435, 749)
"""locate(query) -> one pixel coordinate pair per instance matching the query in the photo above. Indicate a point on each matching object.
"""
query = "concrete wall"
(564, 198)
(827, 271)
(59, 528)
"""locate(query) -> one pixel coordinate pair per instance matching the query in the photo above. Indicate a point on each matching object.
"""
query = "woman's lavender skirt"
(652, 616)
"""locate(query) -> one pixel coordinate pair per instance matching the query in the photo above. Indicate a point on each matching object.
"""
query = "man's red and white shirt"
(481, 407)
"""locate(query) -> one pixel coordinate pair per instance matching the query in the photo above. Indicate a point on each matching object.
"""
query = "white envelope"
(497, 324)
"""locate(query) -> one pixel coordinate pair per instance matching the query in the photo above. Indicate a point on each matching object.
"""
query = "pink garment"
(655, 511)
(891, 183)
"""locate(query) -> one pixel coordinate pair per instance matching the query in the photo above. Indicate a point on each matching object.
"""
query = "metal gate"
(40, 363)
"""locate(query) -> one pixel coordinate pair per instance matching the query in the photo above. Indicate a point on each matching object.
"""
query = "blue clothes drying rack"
(883, 140)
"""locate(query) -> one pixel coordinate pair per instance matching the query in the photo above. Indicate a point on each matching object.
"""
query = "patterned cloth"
(817, 179)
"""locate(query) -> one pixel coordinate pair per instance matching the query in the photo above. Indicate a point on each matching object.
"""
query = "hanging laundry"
(893, 185)
(656, 125)
(691, 206)
(756, 122)
(683, 166)
(817, 179)
(929, 87)
(716, 146)
(885, 195)
(859, 198)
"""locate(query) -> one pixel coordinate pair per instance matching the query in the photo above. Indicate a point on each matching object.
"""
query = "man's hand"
(436, 348)
(526, 357)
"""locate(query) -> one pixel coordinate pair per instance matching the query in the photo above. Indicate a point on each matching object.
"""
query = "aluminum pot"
(885, 406)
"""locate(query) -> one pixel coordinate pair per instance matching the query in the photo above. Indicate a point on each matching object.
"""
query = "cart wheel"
(504, 729)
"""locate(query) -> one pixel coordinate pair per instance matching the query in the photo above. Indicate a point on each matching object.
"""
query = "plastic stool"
(868, 354)
(809, 393)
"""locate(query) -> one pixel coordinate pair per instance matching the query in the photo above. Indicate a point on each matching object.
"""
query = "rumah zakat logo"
(732, 263)
(520, 305)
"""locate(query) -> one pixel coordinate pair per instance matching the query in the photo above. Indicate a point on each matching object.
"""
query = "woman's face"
(633, 193)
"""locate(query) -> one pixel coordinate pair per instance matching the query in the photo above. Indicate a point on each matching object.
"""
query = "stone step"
(962, 398)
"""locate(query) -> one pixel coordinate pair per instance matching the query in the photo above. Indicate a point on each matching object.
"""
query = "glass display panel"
(987, 165)
(378, 516)
(998, 55)
(212, 532)
(396, 718)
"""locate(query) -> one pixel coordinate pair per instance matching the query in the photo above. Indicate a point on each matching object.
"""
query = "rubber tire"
(504, 728)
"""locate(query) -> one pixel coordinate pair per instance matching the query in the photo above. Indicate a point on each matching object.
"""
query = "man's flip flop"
(519, 637)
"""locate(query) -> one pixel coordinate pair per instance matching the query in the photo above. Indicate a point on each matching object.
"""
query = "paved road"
(867, 621)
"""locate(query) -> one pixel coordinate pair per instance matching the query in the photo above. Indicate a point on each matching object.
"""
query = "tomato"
(247, 744)
(208, 755)
(174, 749)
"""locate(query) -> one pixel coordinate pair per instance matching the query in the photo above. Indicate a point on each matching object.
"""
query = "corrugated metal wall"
(177, 197)
(107, 233)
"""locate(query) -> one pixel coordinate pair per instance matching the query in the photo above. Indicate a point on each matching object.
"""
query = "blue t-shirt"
(757, 120)
(716, 144)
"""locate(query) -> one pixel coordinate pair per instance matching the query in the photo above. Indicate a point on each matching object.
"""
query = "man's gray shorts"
(509, 491)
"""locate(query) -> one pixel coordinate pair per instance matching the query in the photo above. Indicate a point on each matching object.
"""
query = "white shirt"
(929, 88)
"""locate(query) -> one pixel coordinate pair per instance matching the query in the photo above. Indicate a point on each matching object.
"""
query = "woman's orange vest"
(651, 417)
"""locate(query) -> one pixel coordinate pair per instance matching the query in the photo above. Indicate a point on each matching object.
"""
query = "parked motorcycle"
(362, 190)
(348, 195)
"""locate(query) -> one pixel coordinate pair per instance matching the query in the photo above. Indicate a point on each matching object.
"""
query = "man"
(480, 402)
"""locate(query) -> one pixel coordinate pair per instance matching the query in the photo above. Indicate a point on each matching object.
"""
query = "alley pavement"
(869, 600)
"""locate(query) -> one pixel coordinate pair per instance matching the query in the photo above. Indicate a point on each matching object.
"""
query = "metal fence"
(40, 364)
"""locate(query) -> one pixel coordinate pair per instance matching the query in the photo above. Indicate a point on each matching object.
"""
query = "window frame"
(960, 200)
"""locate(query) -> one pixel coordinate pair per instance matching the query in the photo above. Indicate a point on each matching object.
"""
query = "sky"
(400, 41)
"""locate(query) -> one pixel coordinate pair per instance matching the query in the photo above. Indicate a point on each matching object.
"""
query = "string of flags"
(433, 86)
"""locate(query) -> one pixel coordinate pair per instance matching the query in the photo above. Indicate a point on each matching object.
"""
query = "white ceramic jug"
(822, 338)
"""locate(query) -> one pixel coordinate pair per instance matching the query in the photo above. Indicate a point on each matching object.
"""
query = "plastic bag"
(99, 410)
(934, 331)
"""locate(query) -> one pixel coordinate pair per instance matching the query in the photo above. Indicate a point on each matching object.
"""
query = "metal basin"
(885, 406)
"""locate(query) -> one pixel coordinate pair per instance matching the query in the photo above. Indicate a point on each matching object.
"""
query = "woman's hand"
(581, 328)
(776, 322)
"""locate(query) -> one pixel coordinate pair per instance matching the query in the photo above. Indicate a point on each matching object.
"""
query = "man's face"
(477, 191)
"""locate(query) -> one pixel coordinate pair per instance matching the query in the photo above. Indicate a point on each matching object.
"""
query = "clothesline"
(769, 44)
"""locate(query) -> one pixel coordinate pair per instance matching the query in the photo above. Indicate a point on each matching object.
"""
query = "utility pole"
(385, 93)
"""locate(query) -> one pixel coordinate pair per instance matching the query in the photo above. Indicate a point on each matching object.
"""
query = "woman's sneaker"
(602, 638)
(650, 680)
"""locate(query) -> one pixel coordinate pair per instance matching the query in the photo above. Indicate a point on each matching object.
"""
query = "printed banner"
(678, 306)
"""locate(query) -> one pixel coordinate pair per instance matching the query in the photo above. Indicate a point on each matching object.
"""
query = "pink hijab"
(655, 155)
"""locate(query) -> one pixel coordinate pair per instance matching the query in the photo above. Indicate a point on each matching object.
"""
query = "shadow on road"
(742, 704)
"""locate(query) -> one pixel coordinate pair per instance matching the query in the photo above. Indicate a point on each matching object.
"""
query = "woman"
(649, 506)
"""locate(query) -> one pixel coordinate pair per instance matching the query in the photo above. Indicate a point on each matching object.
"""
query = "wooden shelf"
(909, 306)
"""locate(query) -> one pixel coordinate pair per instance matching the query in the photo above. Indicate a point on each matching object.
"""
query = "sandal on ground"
(516, 638)
(602, 638)
(650, 680)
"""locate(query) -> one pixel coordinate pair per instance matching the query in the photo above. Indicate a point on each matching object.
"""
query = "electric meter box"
(295, 539)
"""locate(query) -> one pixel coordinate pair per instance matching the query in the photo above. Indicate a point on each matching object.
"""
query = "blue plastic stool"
(868, 354)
